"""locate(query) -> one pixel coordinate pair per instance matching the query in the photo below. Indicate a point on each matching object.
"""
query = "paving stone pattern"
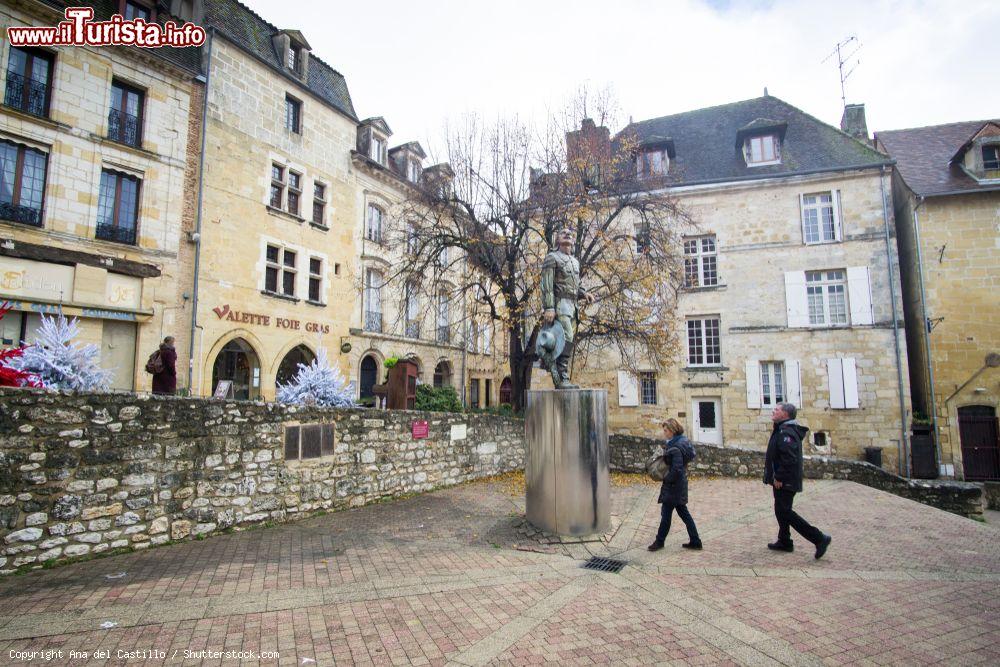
(454, 577)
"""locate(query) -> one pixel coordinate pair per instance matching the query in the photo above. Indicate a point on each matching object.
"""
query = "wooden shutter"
(838, 216)
(850, 382)
(796, 303)
(793, 382)
(836, 379)
(843, 377)
(628, 390)
(753, 383)
(859, 295)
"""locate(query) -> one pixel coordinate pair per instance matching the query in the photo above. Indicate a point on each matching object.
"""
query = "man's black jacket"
(783, 461)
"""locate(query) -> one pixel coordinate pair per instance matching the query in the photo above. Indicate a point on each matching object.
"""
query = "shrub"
(437, 399)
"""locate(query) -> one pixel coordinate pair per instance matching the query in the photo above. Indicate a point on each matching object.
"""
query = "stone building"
(99, 157)
(789, 284)
(946, 193)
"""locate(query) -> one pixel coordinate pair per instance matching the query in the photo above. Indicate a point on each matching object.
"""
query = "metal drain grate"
(604, 564)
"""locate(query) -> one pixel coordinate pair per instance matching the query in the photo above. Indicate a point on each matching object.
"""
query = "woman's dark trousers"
(666, 510)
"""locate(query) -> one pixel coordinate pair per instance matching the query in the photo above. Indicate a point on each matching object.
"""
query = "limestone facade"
(68, 244)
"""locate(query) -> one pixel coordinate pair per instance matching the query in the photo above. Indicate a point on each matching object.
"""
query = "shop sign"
(224, 312)
(25, 278)
(123, 291)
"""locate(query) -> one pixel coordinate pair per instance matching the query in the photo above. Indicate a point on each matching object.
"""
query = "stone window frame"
(701, 261)
(316, 280)
(294, 439)
(293, 114)
(773, 383)
(319, 204)
(819, 206)
(277, 185)
(294, 190)
(647, 391)
(700, 355)
(375, 225)
(279, 268)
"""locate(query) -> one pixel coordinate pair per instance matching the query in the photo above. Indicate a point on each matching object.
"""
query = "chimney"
(853, 122)
(589, 141)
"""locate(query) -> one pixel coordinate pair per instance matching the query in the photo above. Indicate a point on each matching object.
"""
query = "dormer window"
(294, 58)
(413, 171)
(991, 157)
(762, 150)
(376, 148)
(650, 164)
(135, 10)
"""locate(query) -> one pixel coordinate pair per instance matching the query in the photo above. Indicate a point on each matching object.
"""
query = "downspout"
(902, 450)
(465, 324)
(197, 230)
(927, 333)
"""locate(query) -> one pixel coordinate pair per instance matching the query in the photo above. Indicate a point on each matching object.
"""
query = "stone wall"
(86, 473)
(629, 453)
(991, 493)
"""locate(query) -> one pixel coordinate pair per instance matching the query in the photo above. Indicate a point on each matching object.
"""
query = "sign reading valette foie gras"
(226, 313)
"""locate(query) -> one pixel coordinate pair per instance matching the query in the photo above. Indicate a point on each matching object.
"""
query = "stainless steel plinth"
(566, 471)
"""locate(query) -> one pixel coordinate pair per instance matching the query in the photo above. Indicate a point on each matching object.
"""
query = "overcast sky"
(418, 63)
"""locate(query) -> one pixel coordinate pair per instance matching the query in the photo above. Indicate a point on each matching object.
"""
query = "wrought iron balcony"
(373, 321)
(413, 329)
(26, 215)
(34, 102)
(443, 334)
(109, 232)
(123, 127)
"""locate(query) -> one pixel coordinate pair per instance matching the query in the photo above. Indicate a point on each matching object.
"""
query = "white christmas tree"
(59, 363)
(319, 383)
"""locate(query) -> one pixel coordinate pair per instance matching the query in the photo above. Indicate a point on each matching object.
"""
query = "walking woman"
(674, 492)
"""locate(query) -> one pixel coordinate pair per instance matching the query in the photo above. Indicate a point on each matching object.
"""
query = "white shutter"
(793, 383)
(796, 303)
(753, 383)
(628, 390)
(850, 382)
(835, 373)
(802, 217)
(859, 294)
(838, 217)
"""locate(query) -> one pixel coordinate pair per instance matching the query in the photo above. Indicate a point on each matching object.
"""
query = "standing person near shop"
(163, 365)
(783, 472)
(674, 490)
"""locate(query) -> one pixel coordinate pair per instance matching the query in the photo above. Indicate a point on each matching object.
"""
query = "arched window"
(505, 391)
(373, 227)
(442, 374)
(289, 366)
(238, 363)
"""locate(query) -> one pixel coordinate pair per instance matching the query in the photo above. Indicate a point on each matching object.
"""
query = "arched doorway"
(238, 363)
(977, 430)
(505, 389)
(442, 374)
(368, 377)
(289, 366)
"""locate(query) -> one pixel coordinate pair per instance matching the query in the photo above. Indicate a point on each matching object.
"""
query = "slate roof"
(705, 141)
(923, 157)
(242, 26)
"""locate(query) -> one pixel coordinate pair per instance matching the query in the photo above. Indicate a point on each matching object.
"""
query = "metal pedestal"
(566, 471)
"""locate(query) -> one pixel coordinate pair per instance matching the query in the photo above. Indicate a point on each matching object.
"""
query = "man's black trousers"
(787, 517)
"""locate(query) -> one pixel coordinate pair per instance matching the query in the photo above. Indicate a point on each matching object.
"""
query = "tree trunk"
(521, 360)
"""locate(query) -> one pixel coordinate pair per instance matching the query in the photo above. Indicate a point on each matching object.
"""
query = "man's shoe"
(655, 546)
(823, 545)
(692, 545)
(781, 546)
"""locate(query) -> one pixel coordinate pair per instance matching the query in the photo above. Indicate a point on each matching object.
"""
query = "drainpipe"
(902, 450)
(197, 230)
(927, 333)
(465, 323)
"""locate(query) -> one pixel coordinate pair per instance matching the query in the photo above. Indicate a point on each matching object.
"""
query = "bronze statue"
(561, 292)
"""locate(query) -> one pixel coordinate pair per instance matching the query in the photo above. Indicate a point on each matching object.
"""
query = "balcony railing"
(443, 334)
(109, 232)
(123, 127)
(413, 329)
(373, 321)
(33, 102)
(26, 215)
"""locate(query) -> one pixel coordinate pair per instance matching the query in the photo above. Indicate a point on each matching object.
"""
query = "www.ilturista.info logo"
(80, 30)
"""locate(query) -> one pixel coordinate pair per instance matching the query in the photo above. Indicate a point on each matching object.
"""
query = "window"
(700, 266)
(443, 318)
(373, 301)
(279, 273)
(413, 172)
(827, 295)
(487, 391)
(642, 237)
(319, 203)
(819, 218)
(134, 10)
(762, 150)
(293, 114)
(125, 115)
(376, 148)
(703, 342)
(29, 75)
(412, 304)
(294, 192)
(294, 58)
(772, 383)
(649, 164)
(374, 224)
(117, 207)
(308, 441)
(277, 185)
(647, 381)
(474, 393)
(315, 279)
(411, 238)
(991, 157)
(443, 256)
(484, 342)
(22, 183)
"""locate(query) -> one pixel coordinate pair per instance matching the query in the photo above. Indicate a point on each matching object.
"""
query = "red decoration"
(8, 376)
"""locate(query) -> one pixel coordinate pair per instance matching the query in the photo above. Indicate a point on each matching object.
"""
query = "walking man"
(783, 471)
(163, 365)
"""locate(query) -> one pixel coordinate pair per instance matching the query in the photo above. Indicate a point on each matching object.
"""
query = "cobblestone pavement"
(456, 577)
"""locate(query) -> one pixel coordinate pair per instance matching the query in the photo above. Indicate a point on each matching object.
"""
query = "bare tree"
(485, 232)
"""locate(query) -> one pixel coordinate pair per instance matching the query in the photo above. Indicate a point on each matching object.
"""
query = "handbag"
(657, 467)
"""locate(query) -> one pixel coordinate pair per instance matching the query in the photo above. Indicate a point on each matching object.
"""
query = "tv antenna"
(843, 58)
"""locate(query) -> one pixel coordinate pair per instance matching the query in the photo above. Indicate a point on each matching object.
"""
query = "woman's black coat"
(674, 489)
